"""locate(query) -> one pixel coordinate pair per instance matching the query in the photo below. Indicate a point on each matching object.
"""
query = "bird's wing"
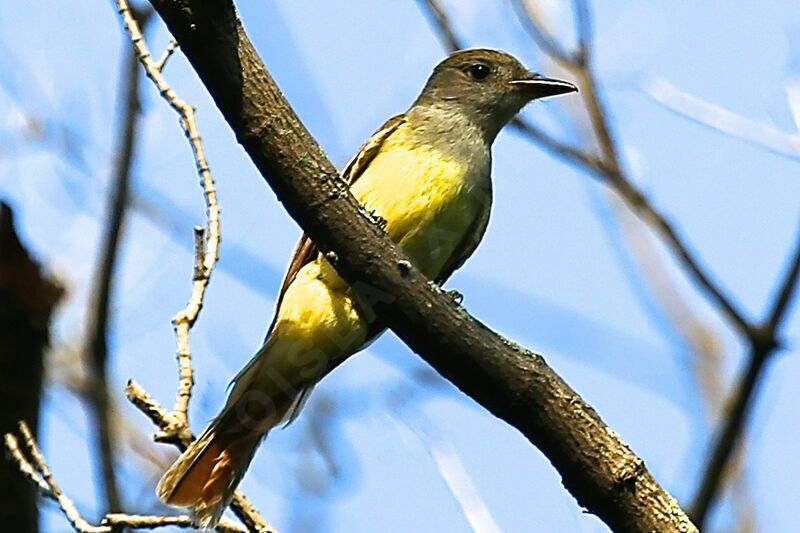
(306, 251)
(468, 242)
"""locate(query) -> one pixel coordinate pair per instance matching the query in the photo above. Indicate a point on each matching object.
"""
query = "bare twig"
(32, 464)
(513, 383)
(184, 320)
(173, 44)
(532, 21)
(174, 425)
(443, 28)
(166, 419)
(727, 122)
(608, 167)
(573, 154)
(96, 353)
(785, 291)
(764, 342)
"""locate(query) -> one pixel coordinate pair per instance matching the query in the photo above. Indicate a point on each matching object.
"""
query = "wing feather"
(306, 251)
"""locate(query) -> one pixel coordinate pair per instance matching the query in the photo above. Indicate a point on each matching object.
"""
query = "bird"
(426, 175)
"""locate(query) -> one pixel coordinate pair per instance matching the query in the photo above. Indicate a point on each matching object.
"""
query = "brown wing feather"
(306, 251)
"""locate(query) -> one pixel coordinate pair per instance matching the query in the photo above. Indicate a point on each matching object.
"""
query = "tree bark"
(27, 300)
(514, 384)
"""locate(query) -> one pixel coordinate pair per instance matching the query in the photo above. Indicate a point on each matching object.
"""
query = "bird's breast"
(428, 196)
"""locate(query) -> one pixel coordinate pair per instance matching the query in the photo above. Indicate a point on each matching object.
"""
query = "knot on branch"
(625, 477)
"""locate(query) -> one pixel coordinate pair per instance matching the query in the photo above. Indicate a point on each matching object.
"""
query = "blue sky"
(554, 272)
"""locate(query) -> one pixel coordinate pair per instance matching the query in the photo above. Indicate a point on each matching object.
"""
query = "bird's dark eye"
(479, 71)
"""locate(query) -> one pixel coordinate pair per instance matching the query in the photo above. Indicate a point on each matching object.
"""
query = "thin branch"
(764, 342)
(515, 384)
(96, 352)
(583, 27)
(443, 28)
(32, 464)
(532, 21)
(573, 154)
(727, 439)
(171, 47)
(693, 108)
(164, 419)
(784, 294)
(183, 321)
(174, 425)
(608, 168)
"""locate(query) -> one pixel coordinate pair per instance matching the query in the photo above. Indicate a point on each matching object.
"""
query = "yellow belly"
(428, 205)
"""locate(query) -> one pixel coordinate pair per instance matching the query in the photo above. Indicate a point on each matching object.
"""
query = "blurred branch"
(439, 18)
(514, 384)
(609, 168)
(583, 25)
(764, 342)
(401, 402)
(717, 118)
(27, 301)
(96, 353)
(530, 16)
(32, 464)
(704, 344)
(785, 292)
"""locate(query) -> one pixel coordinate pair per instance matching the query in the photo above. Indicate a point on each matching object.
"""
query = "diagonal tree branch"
(764, 342)
(515, 384)
(533, 24)
(786, 289)
(606, 168)
(609, 169)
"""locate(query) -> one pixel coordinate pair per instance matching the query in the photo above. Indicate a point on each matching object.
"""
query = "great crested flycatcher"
(427, 174)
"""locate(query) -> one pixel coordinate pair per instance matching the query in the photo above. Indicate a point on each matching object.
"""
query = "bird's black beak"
(539, 87)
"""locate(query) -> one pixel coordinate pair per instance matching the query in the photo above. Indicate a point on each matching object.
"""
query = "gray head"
(486, 86)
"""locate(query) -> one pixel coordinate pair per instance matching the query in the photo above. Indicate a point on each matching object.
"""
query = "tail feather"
(204, 478)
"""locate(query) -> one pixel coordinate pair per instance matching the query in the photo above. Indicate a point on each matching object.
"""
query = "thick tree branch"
(516, 385)
(608, 168)
(174, 425)
(206, 240)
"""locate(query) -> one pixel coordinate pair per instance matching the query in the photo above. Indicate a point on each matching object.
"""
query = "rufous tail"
(205, 476)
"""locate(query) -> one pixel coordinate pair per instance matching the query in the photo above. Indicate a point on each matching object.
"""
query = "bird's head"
(488, 86)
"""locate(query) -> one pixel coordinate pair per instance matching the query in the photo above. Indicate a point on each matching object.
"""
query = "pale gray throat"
(452, 133)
